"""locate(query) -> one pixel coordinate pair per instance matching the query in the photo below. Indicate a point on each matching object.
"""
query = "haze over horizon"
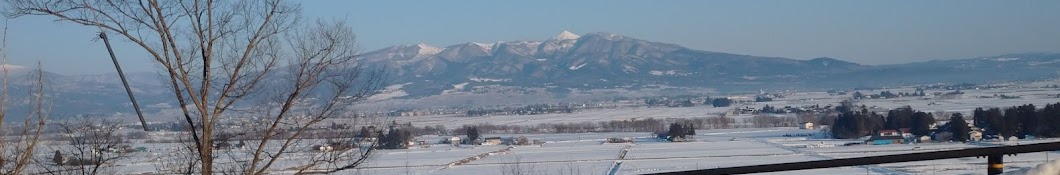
(863, 32)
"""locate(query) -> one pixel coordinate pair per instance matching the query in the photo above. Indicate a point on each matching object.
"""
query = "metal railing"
(993, 154)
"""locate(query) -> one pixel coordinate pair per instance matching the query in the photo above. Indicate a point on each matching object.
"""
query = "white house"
(455, 141)
(807, 125)
(975, 135)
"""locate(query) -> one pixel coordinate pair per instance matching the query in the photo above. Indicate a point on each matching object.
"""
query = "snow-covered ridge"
(566, 35)
(427, 50)
(485, 47)
(1004, 59)
(565, 40)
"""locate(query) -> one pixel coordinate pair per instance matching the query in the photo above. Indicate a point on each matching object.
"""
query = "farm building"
(492, 141)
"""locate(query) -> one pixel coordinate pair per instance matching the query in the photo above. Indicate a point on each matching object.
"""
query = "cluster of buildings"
(905, 136)
(521, 140)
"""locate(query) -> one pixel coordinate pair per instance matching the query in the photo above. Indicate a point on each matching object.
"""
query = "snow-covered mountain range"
(568, 63)
(606, 60)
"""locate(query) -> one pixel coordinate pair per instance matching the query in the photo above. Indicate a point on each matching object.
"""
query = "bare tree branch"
(236, 55)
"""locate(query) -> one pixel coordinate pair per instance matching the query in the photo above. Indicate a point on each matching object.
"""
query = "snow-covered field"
(455, 121)
(971, 99)
(568, 153)
(586, 153)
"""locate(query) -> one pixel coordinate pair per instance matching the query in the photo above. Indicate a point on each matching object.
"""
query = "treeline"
(669, 102)
(526, 110)
(859, 123)
(396, 137)
(784, 110)
(888, 94)
(1024, 121)
(1019, 121)
(637, 125)
(766, 121)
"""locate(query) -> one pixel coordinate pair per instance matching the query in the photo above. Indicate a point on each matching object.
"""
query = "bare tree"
(518, 167)
(18, 142)
(180, 160)
(91, 146)
(221, 56)
(342, 152)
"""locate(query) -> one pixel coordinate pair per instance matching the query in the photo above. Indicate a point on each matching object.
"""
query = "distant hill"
(568, 63)
(605, 60)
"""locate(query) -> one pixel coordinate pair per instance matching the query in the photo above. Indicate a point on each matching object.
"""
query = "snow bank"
(1049, 168)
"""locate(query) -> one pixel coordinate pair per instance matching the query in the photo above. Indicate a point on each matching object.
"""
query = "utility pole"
(103, 35)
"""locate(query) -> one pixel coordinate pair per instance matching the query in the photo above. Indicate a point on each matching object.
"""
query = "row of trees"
(765, 121)
(395, 138)
(669, 102)
(888, 94)
(855, 124)
(534, 109)
(1019, 121)
(635, 125)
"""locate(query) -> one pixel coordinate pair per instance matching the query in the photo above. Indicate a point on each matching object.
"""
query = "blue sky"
(867, 32)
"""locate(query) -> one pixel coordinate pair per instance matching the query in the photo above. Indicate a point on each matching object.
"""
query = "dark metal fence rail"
(911, 157)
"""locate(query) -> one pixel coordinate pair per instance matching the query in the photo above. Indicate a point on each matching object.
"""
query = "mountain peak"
(566, 35)
(426, 50)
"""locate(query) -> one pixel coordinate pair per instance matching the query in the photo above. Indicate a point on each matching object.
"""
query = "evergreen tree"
(364, 133)
(922, 123)
(1049, 118)
(959, 128)
(995, 122)
(58, 158)
(691, 129)
(845, 106)
(679, 131)
(1012, 123)
(380, 139)
(1028, 120)
(722, 102)
(676, 131)
(472, 134)
(979, 118)
(394, 139)
(899, 118)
